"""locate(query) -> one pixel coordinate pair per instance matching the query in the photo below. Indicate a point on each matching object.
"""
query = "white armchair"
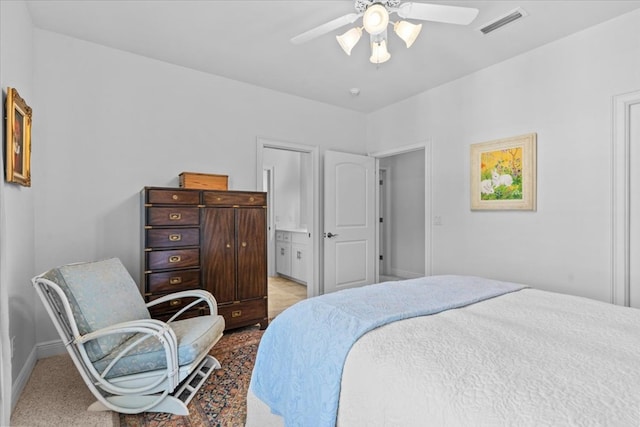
(130, 362)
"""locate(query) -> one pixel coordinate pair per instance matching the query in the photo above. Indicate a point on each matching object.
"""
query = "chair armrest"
(200, 295)
(147, 328)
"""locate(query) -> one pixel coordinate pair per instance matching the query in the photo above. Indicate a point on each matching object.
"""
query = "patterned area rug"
(222, 400)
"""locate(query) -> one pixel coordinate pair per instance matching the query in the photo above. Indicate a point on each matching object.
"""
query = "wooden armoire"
(213, 240)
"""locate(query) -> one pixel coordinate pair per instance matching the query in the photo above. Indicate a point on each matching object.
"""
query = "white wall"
(563, 91)
(405, 185)
(112, 122)
(17, 204)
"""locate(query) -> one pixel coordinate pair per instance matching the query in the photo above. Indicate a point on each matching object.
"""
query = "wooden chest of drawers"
(171, 243)
(213, 240)
(241, 313)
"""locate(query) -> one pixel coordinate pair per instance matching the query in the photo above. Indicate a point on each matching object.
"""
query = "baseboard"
(50, 348)
(40, 351)
(293, 279)
(405, 274)
(22, 379)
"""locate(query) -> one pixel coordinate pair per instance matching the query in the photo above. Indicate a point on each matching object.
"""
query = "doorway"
(288, 173)
(411, 230)
(401, 208)
(384, 226)
(404, 211)
(634, 205)
(625, 204)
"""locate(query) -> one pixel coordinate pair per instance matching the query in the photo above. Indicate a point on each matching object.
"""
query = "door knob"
(330, 235)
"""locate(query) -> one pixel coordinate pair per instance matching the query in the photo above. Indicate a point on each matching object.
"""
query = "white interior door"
(349, 220)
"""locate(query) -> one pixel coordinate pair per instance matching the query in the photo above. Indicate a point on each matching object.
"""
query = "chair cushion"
(100, 294)
(195, 337)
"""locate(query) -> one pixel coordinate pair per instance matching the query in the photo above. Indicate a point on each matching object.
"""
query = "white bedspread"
(530, 358)
(299, 363)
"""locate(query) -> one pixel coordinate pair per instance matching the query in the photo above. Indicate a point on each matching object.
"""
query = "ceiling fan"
(375, 19)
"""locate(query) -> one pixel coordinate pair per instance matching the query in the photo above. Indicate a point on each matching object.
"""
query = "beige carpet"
(55, 394)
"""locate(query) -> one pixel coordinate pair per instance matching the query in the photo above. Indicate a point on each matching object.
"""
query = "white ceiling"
(249, 41)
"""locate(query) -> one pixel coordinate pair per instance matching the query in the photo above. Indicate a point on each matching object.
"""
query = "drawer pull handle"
(251, 199)
(228, 245)
(218, 198)
(175, 302)
(175, 280)
(175, 258)
(244, 244)
(174, 197)
(236, 313)
(175, 216)
(175, 237)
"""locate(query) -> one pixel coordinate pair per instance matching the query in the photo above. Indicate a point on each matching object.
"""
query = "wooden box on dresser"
(213, 240)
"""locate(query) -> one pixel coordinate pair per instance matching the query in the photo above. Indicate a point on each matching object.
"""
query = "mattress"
(526, 358)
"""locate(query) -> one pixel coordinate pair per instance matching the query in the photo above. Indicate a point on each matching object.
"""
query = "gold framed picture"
(503, 174)
(18, 146)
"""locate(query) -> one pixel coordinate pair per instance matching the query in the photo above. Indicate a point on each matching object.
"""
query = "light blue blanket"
(302, 353)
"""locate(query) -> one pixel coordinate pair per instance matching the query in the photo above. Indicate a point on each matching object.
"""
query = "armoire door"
(219, 253)
(251, 231)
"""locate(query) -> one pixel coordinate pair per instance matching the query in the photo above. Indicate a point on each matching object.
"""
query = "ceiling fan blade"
(325, 28)
(438, 13)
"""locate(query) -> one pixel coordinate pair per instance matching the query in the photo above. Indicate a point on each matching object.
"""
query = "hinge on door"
(381, 219)
(381, 182)
(381, 258)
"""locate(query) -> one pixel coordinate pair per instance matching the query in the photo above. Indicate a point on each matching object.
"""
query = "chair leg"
(192, 384)
(128, 404)
(175, 403)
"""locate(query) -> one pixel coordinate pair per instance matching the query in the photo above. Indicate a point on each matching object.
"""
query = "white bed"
(526, 358)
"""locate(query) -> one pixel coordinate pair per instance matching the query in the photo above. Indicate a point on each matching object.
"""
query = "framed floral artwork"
(18, 145)
(503, 174)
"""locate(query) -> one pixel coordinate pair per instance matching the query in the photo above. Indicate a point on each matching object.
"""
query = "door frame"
(428, 232)
(263, 143)
(384, 211)
(269, 171)
(621, 197)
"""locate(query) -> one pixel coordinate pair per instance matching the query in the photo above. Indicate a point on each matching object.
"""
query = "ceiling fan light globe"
(407, 31)
(375, 19)
(379, 52)
(349, 39)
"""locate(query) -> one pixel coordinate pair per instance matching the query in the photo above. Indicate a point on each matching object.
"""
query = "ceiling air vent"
(503, 20)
